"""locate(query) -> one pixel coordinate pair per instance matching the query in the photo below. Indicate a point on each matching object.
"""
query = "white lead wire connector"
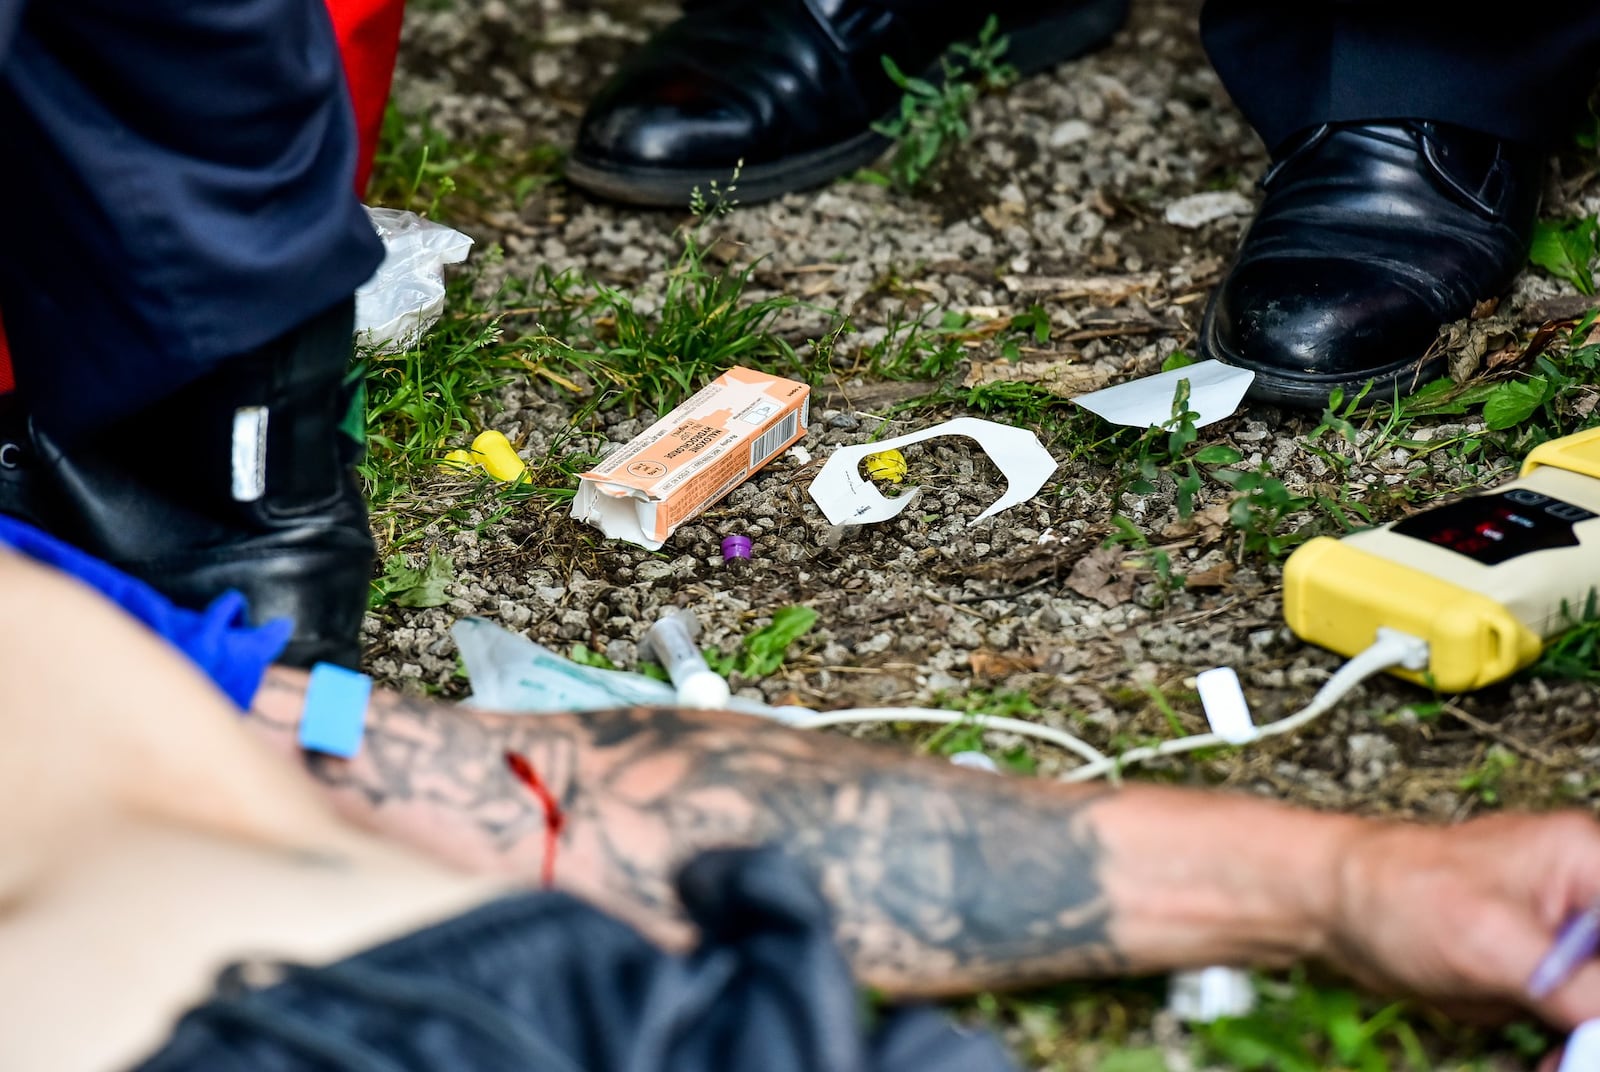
(1583, 1048)
(1204, 995)
(672, 640)
(1227, 711)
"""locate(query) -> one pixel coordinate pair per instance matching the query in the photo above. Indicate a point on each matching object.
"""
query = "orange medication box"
(693, 456)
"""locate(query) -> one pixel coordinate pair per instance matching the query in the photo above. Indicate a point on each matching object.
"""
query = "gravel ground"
(1066, 179)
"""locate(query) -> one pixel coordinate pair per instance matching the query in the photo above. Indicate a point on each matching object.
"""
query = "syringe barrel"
(672, 640)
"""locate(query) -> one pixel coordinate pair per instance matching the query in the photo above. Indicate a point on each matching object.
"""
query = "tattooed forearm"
(940, 878)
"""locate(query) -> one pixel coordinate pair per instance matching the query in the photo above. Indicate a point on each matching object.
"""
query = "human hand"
(1460, 916)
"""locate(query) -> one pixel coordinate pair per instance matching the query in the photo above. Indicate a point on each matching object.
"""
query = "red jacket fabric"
(369, 37)
(6, 381)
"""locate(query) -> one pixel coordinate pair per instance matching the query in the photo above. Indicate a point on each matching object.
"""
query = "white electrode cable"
(1391, 648)
(851, 715)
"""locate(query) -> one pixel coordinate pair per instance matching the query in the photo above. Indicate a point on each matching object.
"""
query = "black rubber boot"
(242, 480)
(21, 494)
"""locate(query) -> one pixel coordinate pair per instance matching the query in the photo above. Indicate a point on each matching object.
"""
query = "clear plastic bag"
(510, 673)
(405, 295)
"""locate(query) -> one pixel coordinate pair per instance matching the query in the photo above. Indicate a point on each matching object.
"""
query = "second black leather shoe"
(1370, 238)
(791, 88)
(242, 480)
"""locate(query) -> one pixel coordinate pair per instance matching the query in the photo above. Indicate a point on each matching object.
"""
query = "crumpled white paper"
(848, 498)
(1215, 391)
(405, 295)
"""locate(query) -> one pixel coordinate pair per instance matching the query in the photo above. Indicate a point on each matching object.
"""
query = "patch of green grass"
(1575, 653)
(933, 113)
(412, 586)
(955, 737)
(650, 356)
(762, 652)
(968, 737)
(919, 349)
(417, 167)
(650, 359)
(1309, 1028)
(427, 400)
(1567, 249)
(1057, 421)
(1484, 780)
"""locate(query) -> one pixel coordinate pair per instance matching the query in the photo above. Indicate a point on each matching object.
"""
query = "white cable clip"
(1583, 1048)
(1226, 709)
(1200, 997)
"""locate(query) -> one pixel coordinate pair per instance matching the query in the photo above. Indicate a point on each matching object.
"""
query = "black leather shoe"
(791, 88)
(1371, 237)
(241, 480)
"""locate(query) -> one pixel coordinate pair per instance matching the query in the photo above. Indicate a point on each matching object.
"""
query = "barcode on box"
(773, 438)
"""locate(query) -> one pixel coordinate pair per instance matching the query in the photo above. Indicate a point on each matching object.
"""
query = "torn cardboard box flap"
(692, 457)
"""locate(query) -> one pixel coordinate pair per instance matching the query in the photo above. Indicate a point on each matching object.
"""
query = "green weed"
(1312, 1028)
(423, 401)
(933, 114)
(1124, 533)
(409, 586)
(968, 737)
(584, 655)
(1484, 780)
(1030, 325)
(763, 651)
(1575, 652)
(704, 325)
(417, 167)
(1261, 510)
(918, 349)
(1567, 250)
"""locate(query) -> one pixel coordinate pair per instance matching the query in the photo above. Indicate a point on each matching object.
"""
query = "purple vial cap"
(735, 547)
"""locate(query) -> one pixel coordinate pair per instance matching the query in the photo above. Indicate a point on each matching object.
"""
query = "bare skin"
(146, 839)
(942, 880)
(946, 880)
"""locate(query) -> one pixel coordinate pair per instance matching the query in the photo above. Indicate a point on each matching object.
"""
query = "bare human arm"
(945, 880)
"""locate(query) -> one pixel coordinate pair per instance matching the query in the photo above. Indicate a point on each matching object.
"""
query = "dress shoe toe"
(1371, 237)
(1319, 324)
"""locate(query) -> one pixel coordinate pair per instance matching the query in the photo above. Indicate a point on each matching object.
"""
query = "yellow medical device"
(1484, 580)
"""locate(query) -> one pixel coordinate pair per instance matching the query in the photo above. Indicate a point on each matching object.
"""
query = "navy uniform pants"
(175, 176)
(1520, 72)
(175, 188)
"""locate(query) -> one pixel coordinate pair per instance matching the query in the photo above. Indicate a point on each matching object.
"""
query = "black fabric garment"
(1520, 72)
(544, 983)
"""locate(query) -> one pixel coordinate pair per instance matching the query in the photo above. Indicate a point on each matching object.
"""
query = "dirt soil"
(1065, 180)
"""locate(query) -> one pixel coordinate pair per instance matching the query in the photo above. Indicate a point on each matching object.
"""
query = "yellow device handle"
(1578, 453)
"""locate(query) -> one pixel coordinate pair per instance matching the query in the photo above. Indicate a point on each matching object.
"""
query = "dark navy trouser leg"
(1519, 72)
(177, 188)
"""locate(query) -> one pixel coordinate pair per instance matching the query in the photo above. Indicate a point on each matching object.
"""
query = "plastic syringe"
(671, 639)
